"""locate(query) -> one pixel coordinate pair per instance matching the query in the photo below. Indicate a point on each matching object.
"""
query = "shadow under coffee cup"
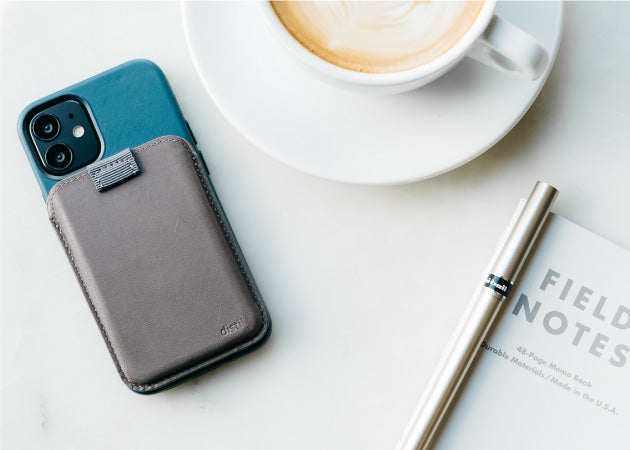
(392, 47)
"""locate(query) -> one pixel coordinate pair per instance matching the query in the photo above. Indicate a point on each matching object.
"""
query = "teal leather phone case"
(143, 229)
(129, 104)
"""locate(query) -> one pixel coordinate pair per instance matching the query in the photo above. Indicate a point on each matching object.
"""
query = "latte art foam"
(377, 37)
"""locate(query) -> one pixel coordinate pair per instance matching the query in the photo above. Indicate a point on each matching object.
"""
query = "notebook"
(555, 373)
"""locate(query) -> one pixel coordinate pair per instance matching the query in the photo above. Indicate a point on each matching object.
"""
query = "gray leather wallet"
(158, 264)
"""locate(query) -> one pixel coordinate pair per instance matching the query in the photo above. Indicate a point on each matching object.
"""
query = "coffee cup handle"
(507, 48)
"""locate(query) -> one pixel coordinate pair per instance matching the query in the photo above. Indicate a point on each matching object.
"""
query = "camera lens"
(58, 156)
(46, 127)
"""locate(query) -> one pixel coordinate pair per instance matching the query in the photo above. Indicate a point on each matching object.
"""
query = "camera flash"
(78, 131)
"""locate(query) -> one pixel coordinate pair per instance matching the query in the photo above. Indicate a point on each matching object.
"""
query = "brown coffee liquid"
(377, 37)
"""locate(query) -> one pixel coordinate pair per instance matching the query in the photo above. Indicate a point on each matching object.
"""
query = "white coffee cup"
(490, 40)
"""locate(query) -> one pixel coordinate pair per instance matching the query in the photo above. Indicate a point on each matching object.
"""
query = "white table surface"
(354, 277)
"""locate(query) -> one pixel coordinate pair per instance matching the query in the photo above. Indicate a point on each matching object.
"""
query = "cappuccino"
(377, 37)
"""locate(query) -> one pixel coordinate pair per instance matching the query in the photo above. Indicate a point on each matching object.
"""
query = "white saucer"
(353, 137)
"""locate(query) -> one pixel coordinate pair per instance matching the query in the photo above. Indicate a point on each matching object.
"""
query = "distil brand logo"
(232, 327)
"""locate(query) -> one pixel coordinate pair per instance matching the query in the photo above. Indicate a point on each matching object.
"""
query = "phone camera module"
(58, 157)
(46, 127)
(63, 135)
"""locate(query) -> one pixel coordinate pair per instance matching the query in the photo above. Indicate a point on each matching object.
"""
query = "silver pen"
(476, 324)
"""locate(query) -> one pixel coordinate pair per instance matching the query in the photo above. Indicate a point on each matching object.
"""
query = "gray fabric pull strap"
(113, 170)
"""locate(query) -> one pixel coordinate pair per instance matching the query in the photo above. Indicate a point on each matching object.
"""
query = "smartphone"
(123, 107)
(154, 254)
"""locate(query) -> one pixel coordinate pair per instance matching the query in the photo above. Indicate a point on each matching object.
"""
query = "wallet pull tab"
(113, 170)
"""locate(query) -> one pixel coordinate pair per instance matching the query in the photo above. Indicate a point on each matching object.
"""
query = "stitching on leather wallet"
(87, 296)
(226, 233)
